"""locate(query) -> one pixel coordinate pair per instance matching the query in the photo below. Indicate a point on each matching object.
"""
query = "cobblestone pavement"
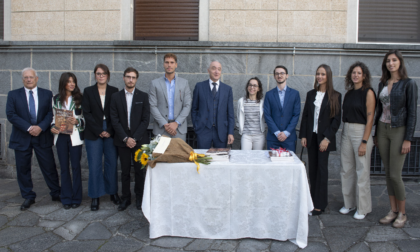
(46, 226)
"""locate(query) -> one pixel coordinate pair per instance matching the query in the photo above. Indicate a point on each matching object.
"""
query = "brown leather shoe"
(390, 217)
(400, 221)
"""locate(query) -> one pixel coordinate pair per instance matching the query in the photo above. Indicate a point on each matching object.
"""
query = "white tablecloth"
(250, 196)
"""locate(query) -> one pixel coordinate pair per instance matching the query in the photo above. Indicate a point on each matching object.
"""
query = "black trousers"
(126, 158)
(318, 174)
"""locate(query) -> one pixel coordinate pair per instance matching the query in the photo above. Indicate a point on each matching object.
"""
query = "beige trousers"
(355, 169)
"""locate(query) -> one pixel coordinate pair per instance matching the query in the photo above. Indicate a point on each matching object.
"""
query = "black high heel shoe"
(317, 212)
(95, 204)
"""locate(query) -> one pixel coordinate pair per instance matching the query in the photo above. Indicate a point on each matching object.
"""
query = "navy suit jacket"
(202, 109)
(17, 110)
(282, 119)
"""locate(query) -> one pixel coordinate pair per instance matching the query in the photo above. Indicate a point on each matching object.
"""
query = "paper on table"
(162, 145)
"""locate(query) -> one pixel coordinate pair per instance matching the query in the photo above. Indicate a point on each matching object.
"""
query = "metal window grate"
(411, 165)
(1, 151)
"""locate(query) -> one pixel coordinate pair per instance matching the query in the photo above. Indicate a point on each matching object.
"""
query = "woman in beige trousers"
(356, 142)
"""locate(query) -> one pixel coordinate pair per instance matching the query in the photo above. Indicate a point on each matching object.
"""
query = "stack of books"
(219, 154)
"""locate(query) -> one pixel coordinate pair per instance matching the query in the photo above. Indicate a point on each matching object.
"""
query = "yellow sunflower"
(137, 155)
(144, 158)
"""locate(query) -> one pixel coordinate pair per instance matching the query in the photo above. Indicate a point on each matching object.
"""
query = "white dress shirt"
(129, 99)
(67, 105)
(35, 94)
(217, 84)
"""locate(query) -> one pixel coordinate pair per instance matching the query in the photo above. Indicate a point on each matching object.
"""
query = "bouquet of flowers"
(177, 151)
(144, 154)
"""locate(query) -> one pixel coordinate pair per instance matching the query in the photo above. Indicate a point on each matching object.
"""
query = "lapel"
(177, 90)
(209, 95)
(222, 93)
(323, 104)
(107, 96)
(23, 98)
(40, 99)
(164, 88)
(124, 103)
(136, 97)
(311, 100)
(277, 98)
(286, 98)
(96, 95)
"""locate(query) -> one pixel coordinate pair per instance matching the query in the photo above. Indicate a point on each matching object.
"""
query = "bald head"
(215, 70)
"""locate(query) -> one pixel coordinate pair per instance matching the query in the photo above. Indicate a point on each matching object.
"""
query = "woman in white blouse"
(250, 116)
(68, 141)
(321, 119)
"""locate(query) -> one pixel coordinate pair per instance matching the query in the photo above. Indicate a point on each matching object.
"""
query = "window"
(1, 19)
(166, 20)
(389, 21)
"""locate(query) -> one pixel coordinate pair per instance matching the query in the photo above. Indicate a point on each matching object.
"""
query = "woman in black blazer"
(321, 119)
(99, 138)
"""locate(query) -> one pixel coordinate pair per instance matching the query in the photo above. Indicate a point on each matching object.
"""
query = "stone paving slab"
(46, 226)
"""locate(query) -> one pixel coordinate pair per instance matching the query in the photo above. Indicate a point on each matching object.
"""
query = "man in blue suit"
(281, 112)
(212, 111)
(29, 110)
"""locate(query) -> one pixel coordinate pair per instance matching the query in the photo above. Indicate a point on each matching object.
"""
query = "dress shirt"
(129, 100)
(170, 89)
(217, 84)
(35, 94)
(281, 96)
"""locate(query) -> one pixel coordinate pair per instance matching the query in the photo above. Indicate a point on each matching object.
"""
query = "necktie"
(214, 90)
(32, 107)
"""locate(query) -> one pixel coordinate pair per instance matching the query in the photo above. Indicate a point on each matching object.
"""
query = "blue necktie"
(32, 107)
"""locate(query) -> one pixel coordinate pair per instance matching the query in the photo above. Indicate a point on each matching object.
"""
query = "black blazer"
(93, 112)
(327, 127)
(139, 118)
(17, 111)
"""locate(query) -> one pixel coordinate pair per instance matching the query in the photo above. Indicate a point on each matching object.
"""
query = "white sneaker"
(345, 210)
(358, 216)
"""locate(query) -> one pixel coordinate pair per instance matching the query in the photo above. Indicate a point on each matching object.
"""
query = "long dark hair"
(332, 94)
(259, 93)
(386, 75)
(76, 94)
(349, 85)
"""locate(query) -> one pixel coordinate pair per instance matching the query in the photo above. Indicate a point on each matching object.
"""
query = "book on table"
(62, 123)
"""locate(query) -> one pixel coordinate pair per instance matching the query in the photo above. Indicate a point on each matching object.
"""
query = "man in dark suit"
(130, 114)
(212, 111)
(29, 110)
(281, 112)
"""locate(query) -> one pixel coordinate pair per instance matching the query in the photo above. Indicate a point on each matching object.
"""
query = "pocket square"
(139, 102)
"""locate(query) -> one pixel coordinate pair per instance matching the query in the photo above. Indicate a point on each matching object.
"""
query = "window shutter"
(389, 21)
(166, 19)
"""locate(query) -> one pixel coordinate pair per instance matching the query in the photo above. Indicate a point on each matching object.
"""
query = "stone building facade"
(249, 38)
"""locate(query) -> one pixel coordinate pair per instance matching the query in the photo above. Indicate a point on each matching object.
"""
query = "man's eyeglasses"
(130, 77)
(278, 74)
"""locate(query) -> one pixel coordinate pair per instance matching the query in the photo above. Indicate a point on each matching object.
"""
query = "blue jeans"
(102, 181)
(71, 191)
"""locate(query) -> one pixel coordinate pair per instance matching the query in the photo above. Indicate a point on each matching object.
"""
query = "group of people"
(114, 123)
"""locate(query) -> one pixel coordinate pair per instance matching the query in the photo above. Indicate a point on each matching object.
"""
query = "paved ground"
(46, 226)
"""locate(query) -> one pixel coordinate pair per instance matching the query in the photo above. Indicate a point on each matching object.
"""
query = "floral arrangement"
(280, 152)
(178, 151)
(144, 154)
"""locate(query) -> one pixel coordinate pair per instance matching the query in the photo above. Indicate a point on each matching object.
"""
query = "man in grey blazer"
(170, 101)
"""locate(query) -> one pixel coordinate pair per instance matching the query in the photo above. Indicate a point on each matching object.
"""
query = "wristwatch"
(364, 141)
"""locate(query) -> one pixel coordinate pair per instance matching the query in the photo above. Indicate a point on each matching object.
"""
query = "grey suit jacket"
(158, 98)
